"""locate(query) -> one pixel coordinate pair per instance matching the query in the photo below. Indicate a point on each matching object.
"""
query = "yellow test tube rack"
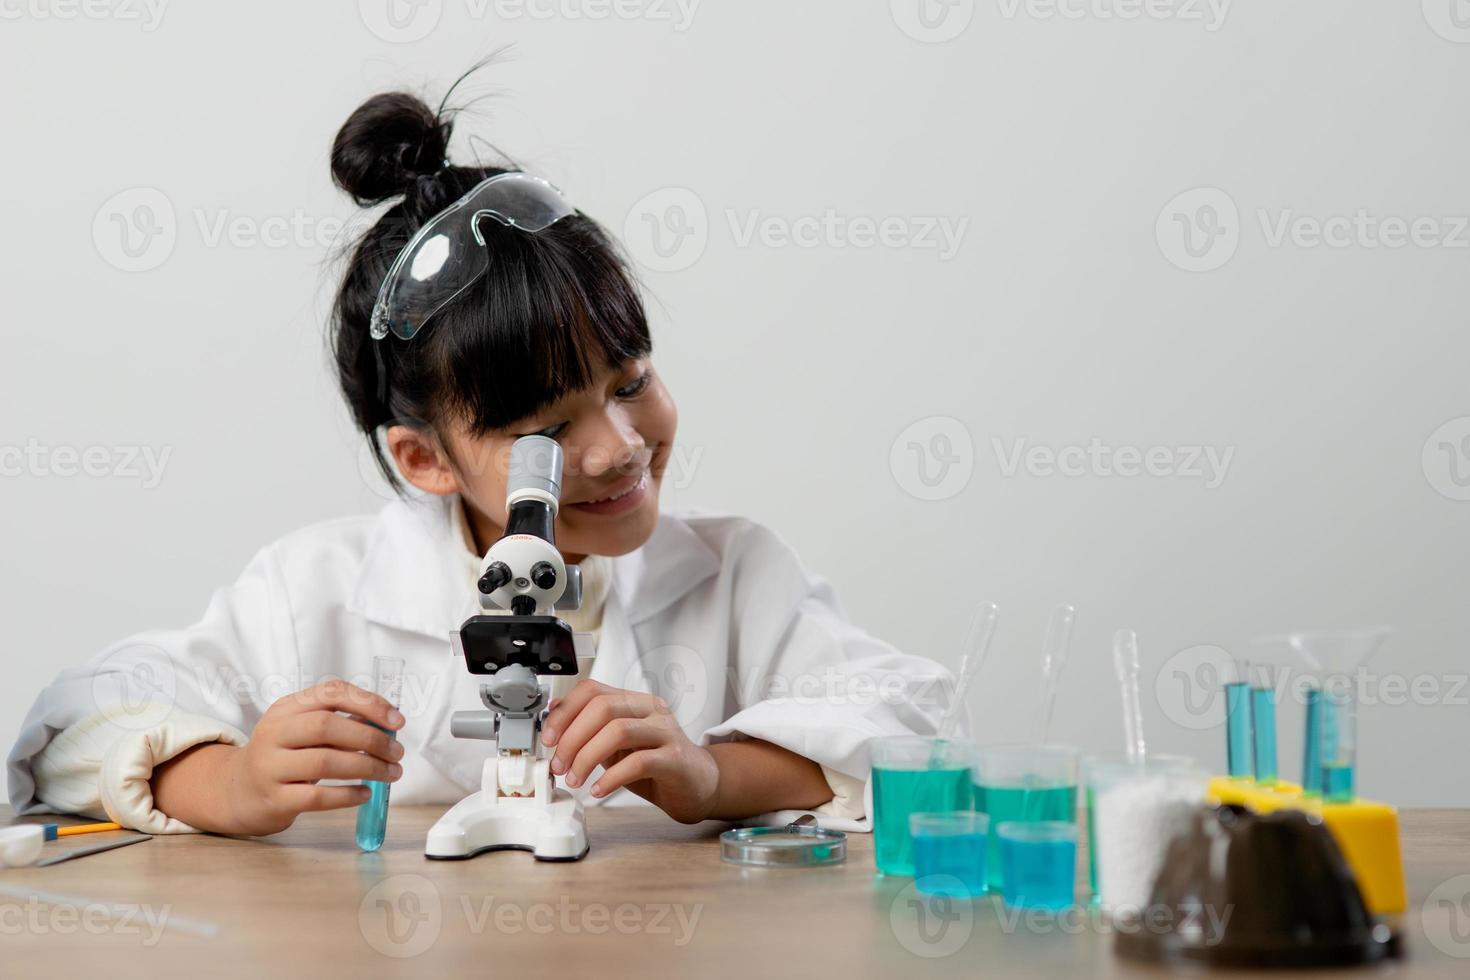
(1367, 832)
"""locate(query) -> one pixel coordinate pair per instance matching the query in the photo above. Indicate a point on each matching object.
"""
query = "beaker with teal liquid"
(1023, 783)
(914, 774)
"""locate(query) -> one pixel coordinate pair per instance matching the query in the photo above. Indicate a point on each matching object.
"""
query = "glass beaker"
(1023, 783)
(914, 774)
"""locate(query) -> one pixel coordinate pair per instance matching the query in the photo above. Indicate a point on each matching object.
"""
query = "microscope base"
(552, 829)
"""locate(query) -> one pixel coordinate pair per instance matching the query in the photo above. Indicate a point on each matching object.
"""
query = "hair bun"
(387, 142)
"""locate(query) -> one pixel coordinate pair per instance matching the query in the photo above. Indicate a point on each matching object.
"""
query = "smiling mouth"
(619, 491)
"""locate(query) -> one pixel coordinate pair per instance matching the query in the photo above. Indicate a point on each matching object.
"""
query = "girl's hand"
(636, 739)
(301, 739)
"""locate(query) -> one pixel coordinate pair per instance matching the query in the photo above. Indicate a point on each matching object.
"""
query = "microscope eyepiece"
(495, 576)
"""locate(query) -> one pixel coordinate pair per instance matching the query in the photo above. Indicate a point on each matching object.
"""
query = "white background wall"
(1064, 316)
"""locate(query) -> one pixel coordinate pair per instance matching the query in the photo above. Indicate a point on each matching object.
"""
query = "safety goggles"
(448, 254)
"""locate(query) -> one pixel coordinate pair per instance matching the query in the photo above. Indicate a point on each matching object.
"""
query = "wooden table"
(651, 899)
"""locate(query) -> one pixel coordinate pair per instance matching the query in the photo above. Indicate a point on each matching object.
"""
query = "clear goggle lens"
(447, 255)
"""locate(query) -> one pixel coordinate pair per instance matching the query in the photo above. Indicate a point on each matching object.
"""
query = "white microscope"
(521, 655)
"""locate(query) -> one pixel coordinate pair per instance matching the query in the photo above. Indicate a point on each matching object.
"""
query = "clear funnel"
(1330, 745)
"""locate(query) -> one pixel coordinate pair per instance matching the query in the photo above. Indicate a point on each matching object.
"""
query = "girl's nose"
(616, 445)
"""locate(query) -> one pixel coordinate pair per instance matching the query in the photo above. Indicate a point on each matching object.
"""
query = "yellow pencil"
(54, 831)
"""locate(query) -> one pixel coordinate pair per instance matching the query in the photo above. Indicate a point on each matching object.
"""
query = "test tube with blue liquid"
(1339, 748)
(1239, 737)
(1334, 657)
(372, 816)
(1263, 721)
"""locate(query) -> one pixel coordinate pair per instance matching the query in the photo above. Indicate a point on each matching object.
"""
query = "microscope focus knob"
(543, 574)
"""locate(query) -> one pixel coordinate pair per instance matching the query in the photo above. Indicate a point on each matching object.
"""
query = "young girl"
(727, 683)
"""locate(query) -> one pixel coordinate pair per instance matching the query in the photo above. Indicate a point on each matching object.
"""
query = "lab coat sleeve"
(809, 680)
(94, 735)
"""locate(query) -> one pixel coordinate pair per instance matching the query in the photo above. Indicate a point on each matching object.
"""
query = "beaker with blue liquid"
(372, 816)
(914, 774)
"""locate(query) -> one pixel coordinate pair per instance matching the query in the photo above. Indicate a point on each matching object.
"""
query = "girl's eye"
(635, 387)
(552, 432)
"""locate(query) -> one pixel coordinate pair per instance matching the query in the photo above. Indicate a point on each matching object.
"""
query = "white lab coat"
(714, 613)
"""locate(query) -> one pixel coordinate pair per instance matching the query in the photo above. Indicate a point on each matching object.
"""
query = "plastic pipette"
(1125, 662)
(1053, 658)
(982, 629)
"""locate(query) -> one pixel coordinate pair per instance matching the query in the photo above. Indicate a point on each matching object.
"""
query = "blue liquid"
(1021, 804)
(900, 792)
(372, 816)
(1238, 747)
(1038, 874)
(1339, 784)
(1312, 745)
(1263, 722)
(957, 861)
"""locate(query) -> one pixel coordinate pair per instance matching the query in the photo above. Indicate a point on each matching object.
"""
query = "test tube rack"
(1365, 830)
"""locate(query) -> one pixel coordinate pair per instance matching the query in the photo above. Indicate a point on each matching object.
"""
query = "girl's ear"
(421, 460)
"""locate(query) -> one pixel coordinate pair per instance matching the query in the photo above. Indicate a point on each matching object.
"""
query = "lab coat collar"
(413, 577)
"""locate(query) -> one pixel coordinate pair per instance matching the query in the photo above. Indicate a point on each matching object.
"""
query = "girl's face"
(615, 436)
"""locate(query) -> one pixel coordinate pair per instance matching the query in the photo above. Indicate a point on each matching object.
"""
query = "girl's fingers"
(337, 695)
(594, 716)
(618, 735)
(560, 715)
(645, 764)
(310, 765)
(323, 728)
(303, 798)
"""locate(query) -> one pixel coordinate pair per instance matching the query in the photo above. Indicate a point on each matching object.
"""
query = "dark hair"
(553, 309)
